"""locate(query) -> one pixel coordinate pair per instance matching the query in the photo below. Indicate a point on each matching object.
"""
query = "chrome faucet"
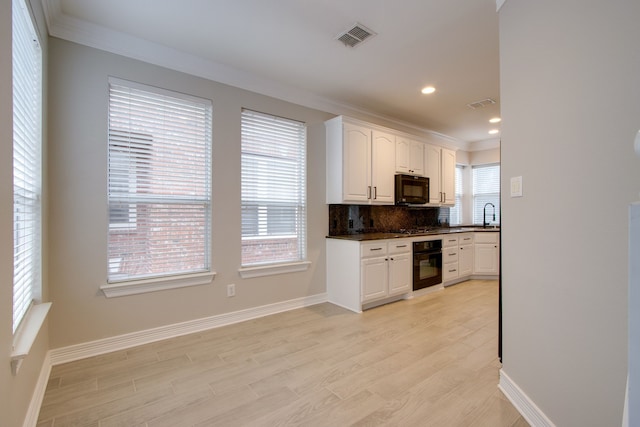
(484, 214)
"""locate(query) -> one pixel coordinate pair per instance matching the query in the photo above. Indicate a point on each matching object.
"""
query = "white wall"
(78, 211)
(484, 157)
(570, 101)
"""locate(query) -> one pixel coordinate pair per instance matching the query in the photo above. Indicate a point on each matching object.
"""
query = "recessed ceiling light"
(429, 89)
(495, 120)
(493, 131)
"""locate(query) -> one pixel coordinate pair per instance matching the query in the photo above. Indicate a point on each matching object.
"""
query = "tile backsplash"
(353, 219)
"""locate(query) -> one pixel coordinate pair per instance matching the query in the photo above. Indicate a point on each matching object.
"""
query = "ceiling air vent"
(481, 104)
(355, 35)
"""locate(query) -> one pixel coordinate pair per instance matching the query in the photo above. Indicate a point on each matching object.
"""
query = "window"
(486, 189)
(159, 183)
(455, 213)
(27, 143)
(273, 189)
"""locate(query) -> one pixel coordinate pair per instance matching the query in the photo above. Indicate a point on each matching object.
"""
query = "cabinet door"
(356, 163)
(486, 258)
(448, 183)
(383, 168)
(402, 155)
(416, 158)
(409, 156)
(373, 278)
(465, 260)
(432, 170)
(399, 273)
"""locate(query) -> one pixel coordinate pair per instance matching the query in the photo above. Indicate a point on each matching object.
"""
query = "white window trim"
(273, 269)
(30, 324)
(125, 287)
(135, 287)
(27, 333)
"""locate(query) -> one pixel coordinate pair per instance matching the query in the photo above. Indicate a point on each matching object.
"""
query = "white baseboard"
(94, 348)
(31, 418)
(529, 411)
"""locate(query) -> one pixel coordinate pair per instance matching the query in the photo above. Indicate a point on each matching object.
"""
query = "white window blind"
(274, 203)
(27, 142)
(486, 189)
(455, 213)
(159, 182)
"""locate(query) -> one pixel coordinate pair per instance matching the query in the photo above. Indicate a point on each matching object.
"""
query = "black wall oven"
(427, 264)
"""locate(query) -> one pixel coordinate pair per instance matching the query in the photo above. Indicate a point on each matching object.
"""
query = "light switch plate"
(516, 186)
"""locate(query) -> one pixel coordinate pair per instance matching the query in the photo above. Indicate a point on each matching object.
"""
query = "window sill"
(26, 334)
(135, 287)
(272, 269)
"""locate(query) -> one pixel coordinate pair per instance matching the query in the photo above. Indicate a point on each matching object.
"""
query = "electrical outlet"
(350, 223)
(231, 290)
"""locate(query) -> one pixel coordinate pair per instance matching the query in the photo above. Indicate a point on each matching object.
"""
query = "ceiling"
(287, 49)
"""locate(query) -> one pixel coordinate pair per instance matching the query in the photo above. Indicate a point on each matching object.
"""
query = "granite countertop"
(358, 237)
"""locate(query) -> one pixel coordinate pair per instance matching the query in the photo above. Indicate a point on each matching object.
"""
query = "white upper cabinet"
(360, 163)
(409, 156)
(357, 163)
(432, 162)
(441, 170)
(383, 154)
(362, 160)
(448, 183)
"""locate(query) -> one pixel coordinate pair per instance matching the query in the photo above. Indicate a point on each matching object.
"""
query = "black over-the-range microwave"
(412, 190)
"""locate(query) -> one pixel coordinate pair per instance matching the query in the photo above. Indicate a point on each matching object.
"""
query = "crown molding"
(85, 33)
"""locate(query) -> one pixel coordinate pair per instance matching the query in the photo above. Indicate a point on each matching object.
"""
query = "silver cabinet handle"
(401, 246)
(368, 192)
(375, 193)
(375, 249)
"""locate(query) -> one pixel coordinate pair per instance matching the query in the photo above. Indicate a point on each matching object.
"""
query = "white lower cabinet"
(486, 257)
(363, 273)
(449, 258)
(374, 277)
(465, 254)
(400, 268)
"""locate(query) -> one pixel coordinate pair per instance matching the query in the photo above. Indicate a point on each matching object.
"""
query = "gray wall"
(78, 213)
(570, 99)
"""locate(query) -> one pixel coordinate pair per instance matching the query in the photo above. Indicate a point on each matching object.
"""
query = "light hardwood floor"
(428, 361)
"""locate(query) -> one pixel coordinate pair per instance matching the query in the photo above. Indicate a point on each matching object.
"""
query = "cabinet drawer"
(449, 271)
(465, 239)
(486, 237)
(448, 241)
(373, 249)
(399, 247)
(449, 255)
